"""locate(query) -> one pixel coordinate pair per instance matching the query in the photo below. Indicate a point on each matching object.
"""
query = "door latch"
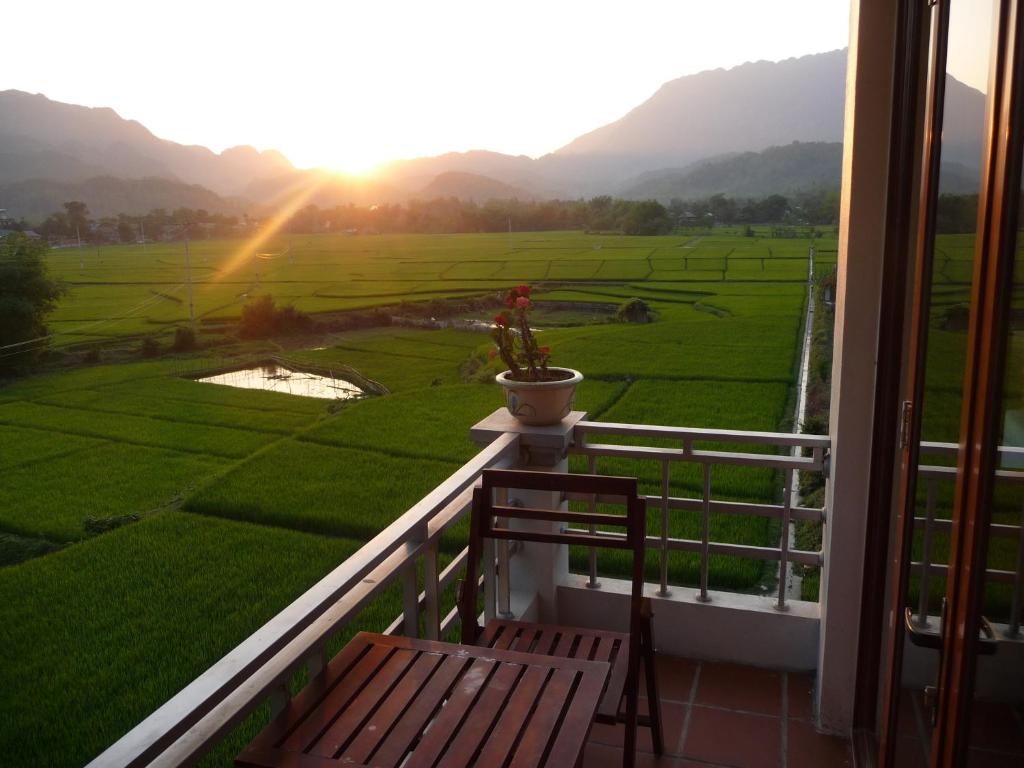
(906, 414)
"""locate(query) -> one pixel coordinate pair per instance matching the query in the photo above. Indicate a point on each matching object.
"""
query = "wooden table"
(383, 699)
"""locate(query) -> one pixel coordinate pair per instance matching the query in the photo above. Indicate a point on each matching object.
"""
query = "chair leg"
(653, 700)
(629, 742)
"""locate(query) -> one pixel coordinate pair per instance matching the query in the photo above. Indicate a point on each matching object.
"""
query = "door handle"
(988, 644)
(923, 637)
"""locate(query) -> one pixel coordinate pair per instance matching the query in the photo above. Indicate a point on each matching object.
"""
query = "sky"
(348, 85)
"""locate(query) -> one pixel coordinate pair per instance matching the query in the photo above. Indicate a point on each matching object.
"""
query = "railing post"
(490, 580)
(592, 582)
(432, 605)
(926, 554)
(705, 538)
(1013, 629)
(537, 570)
(316, 660)
(410, 601)
(664, 590)
(504, 583)
(279, 698)
(787, 507)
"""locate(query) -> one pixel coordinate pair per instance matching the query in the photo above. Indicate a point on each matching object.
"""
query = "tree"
(27, 295)
(648, 217)
(77, 217)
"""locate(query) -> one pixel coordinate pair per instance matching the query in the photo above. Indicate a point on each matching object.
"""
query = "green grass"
(104, 630)
(132, 617)
(136, 430)
(124, 400)
(54, 499)
(23, 446)
(321, 489)
(434, 422)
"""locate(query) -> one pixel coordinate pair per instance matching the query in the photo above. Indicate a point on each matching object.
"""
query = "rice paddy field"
(150, 522)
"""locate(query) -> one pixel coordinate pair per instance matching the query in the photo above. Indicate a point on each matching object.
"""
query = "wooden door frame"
(981, 428)
(924, 244)
(903, 167)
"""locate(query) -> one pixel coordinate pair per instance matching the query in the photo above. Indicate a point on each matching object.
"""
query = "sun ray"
(297, 197)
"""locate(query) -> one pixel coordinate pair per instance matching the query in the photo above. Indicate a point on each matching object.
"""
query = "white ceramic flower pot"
(540, 403)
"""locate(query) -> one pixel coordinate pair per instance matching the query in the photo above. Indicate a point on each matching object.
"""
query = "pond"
(277, 378)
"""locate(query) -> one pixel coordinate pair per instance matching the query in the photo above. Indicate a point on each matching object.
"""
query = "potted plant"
(535, 392)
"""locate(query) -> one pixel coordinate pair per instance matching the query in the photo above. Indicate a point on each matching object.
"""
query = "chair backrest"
(487, 513)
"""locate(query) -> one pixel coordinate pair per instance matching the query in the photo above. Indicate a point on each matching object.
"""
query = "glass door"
(954, 667)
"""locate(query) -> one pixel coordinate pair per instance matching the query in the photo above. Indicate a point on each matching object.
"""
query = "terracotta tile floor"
(727, 715)
(997, 733)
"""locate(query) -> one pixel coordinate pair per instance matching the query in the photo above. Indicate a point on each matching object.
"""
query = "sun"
(355, 162)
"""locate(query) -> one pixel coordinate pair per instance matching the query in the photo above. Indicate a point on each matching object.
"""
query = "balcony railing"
(261, 668)
(788, 459)
(936, 479)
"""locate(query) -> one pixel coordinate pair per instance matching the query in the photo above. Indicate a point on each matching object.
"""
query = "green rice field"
(179, 516)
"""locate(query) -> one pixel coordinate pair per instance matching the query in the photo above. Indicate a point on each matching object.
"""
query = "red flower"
(501, 320)
(522, 302)
(544, 351)
(510, 300)
(523, 290)
(493, 353)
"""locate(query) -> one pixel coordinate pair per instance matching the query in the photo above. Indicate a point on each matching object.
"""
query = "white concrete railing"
(933, 476)
(788, 462)
(260, 669)
(262, 666)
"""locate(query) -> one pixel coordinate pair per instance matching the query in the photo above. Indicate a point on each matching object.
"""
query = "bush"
(261, 319)
(184, 339)
(634, 311)
(149, 348)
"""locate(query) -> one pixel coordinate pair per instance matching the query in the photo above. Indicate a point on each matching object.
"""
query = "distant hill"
(44, 139)
(107, 196)
(746, 109)
(696, 135)
(471, 186)
(516, 170)
(796, 167)
(321, 188)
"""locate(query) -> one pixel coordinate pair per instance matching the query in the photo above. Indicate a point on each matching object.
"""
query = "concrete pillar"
(861, 247)
(537, 570)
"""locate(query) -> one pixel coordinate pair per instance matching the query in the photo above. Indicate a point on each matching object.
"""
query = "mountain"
(517, 170)
(471, 186)
(44, 139)
(744, 109)
(36, 199)
(324, 189)
(795, 167)
(783, 170)
(696, 135)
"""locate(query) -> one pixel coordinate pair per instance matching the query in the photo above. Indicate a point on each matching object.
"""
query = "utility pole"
(81, 256)
(188, 274)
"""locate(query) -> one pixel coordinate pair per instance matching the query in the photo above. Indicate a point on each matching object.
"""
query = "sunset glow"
(350, 85)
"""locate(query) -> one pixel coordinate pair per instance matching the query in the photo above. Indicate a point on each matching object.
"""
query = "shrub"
(184, 339)
(149, 348)
(261, 319)
(634, 311)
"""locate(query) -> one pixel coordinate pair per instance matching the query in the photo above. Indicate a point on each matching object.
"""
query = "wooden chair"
(624, 650)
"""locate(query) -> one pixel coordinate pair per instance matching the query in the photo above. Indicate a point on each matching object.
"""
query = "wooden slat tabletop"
(390, 701)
